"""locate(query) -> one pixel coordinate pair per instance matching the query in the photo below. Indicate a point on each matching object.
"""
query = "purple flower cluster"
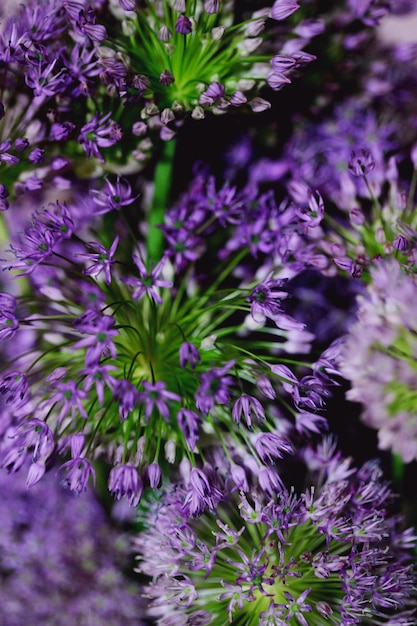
(330, 554)
(126, 363)
(62, 561)
(191, 299)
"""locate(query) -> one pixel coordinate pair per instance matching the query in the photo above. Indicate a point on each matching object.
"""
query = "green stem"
(161, 193)
(397, 469)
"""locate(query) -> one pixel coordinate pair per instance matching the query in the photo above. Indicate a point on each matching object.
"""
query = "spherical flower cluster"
(61, 561)
(140, 362)
(331, 554)
(185, 57)
(84, 75)
(378, 358)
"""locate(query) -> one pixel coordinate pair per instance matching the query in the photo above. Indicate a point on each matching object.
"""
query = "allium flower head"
(380, 217)
(191, 57)
(378, 357)
(139, 362)
(332, 554)
(62, 562)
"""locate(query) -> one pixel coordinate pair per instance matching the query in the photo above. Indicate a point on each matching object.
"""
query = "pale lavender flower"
(378, 358)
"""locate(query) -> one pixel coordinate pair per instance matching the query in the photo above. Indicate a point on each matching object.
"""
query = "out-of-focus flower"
(62, 562)
(378, 358)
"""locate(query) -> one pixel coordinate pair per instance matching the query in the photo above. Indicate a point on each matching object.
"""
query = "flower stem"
(397, 469)
(161, 193)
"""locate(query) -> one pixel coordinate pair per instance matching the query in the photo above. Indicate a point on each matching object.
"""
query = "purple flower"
(211, 6)
(377, 357)
(154, 475)
(99, 132)
(400, 243)
(328, 554)
(60, 131)
(247, 406)
(70, 397)
(270, 482)
(43, 81)
(128, 5)
(36, 471)
(99, 375)
(78, 469)
(36, 436)
(114, 196)
(127, 396)
(21, 143)
(124, 481)
(5, 156)
(214, 92)
(101, 331)
(361, 163)
(270, 447)
(183, 25)
(265, 299)
(166, 78)
(102, 259)
(62, 558)
(189, 422)
(14, 388)
(189, 354)
(148, 281)
(49, 227)
(36, 155)
(214, 388)
(8, 321)
(157, 397)
(86, 22)
(314, 216)
(202, 493)
(282, 9)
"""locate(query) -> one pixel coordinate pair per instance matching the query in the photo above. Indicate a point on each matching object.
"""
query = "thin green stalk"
(397, 465)
(160, 200)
